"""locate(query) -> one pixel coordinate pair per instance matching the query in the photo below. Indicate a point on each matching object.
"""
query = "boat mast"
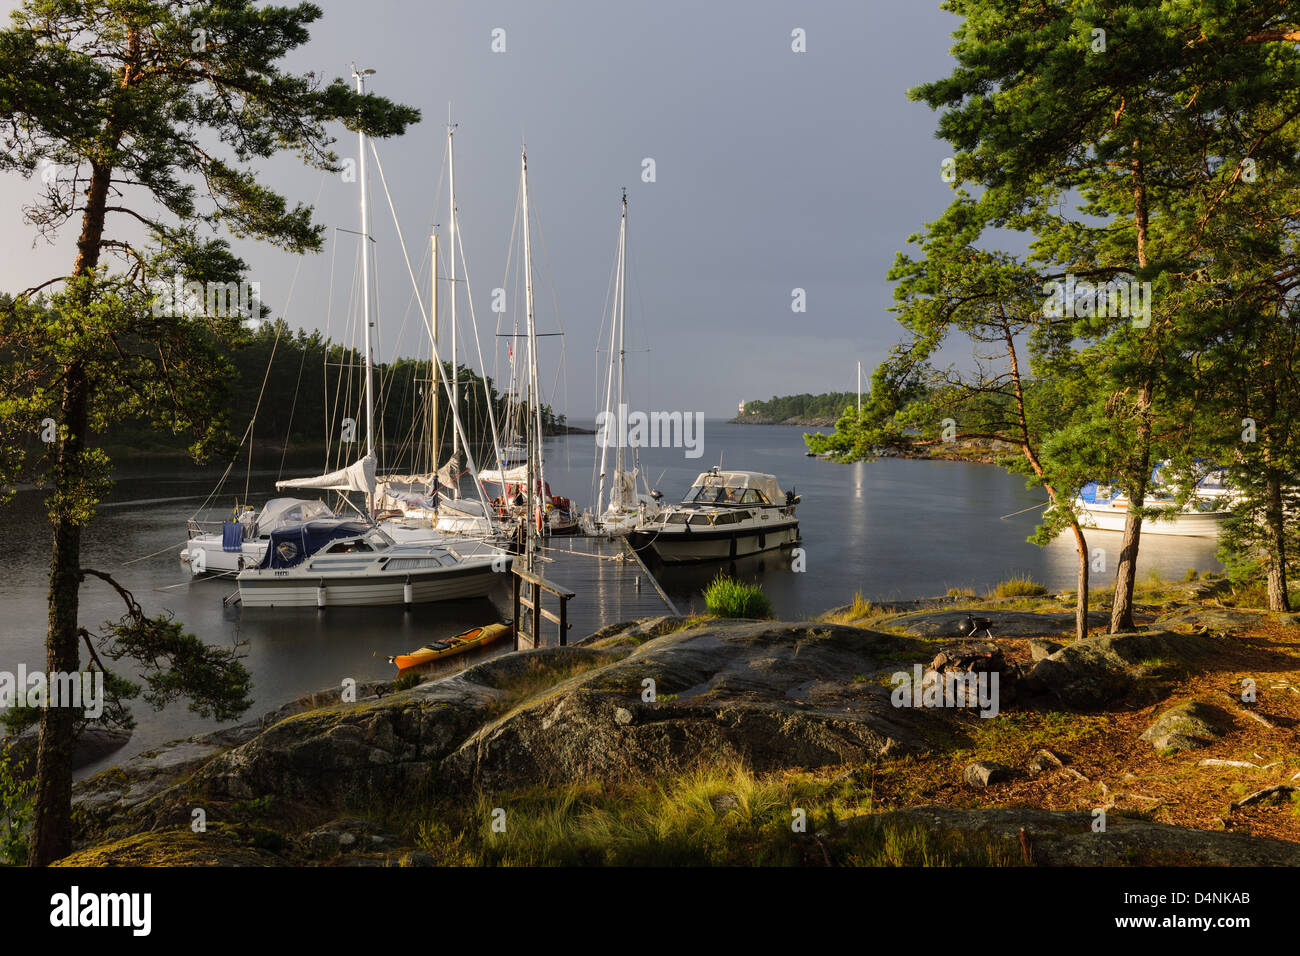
(622, 326)
(434, 376)
(360, 76)
(455, 241)
(536, 487)
(859, 389)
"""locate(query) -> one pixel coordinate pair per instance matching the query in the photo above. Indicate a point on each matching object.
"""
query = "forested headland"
(818, 410)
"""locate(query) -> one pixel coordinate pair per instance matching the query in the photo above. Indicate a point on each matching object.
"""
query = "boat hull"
(204, 556)
(269, 588)
(1190, 524)
(671, 546)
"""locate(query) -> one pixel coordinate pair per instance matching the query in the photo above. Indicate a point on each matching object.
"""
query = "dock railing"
(529, 589)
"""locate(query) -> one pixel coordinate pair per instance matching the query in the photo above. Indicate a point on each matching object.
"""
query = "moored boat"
(241, 542)
(1106, 509)
(726, 515)
(352, 564)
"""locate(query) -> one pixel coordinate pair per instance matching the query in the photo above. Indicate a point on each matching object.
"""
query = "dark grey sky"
(775, 170)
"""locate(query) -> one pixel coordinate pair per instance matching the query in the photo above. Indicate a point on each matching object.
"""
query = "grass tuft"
(1019, 586)
(860, 608)
(727, 597)
(720, 814)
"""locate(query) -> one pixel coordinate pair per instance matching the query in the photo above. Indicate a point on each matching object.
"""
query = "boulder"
(1214, 619)
(1187, 726)
(1100, 670)
(93, 743)
(1041, 647)
(777, 695)
(1066, 838)
(952, 624)
(982, 773)
(1044, 762)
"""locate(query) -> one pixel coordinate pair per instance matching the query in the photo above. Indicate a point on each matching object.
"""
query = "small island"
(816, 411)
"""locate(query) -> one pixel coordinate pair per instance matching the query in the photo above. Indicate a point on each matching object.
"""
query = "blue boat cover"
(289, 546)
(232, 536)
(1089, 492)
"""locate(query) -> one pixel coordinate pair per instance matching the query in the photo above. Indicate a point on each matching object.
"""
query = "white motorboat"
(349, 563)
(1106, 508)
(242, 541)
(726, 514)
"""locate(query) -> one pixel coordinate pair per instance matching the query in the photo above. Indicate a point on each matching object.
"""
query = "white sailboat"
(342, 562)
(625, 506)
(521, 476)
(230, 546)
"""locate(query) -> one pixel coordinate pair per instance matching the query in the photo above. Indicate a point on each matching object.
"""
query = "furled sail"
(622, 496)
(358, 476)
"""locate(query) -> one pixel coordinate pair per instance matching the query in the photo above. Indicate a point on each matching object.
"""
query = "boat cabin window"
(349, 547)
(677, 517)
(699, 520)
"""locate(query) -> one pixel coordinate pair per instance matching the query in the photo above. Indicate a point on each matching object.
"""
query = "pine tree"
(132, 105)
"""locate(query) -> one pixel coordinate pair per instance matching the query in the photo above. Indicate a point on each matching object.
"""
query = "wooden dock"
(608, 583)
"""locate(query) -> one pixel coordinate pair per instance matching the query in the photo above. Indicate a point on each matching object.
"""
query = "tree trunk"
(1081, 604)
(1274, 520)
(1121, 610)
(52, 823)
(1031, 455)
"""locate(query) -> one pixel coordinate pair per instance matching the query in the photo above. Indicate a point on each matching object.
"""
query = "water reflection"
(891, 529)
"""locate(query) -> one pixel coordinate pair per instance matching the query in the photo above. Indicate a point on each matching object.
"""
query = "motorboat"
(1106, 507)
(348, 563)
(725, 515)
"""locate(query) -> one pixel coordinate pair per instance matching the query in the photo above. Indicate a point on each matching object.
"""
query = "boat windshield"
(724, 495)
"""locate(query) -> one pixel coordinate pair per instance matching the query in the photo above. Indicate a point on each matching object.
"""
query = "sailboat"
(521, 477)
(418, 500)
(230, 546)
(624, 507)
(338, 561)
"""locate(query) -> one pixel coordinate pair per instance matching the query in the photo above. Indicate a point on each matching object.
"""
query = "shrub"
(1020, 586)
(727, 597)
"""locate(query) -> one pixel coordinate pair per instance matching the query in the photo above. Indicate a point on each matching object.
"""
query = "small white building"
(742, 408)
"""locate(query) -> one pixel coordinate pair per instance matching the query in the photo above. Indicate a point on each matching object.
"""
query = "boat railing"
(193, 527)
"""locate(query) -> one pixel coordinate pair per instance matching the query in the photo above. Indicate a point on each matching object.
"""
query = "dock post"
(537, 615)
(564, 621)
(518, 623)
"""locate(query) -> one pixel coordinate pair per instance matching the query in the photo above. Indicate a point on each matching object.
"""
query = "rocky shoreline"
(1138, 726)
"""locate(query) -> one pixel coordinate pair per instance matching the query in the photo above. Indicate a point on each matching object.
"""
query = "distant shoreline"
(803, 422)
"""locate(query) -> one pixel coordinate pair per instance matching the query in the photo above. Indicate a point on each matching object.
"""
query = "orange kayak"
(451, 646)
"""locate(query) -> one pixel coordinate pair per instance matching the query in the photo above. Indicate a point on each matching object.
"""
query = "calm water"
(892, 529)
